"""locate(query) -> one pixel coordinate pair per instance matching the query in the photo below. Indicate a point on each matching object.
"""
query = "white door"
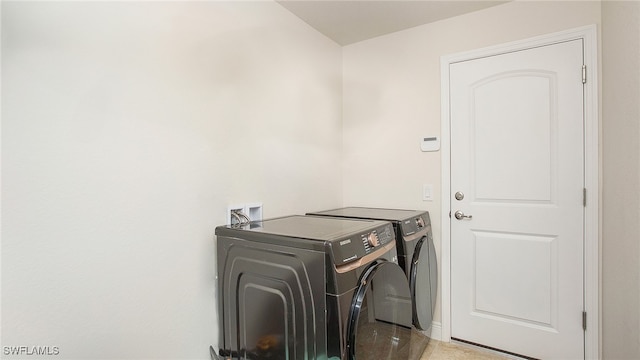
(517, 163)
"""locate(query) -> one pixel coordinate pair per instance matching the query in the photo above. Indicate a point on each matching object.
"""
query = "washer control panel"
(351, 249)
(370, 240)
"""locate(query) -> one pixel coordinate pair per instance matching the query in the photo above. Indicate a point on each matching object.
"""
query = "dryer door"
(423, 281)
(379, 324)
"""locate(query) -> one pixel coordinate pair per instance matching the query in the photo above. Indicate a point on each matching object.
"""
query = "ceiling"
(350, 21)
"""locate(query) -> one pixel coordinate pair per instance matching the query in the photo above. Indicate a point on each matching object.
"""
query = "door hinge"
(584, 197)
(584, 74)
(584, 320)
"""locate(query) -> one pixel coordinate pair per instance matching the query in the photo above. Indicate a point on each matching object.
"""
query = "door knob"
(460, 215)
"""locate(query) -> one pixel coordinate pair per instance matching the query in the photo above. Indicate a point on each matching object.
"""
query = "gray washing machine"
(416, 254)
(310, 287)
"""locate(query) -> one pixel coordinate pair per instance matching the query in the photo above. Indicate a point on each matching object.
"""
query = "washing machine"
(416, 254)
(312, 287)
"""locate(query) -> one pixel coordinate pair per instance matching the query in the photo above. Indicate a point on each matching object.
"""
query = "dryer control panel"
(414, 225)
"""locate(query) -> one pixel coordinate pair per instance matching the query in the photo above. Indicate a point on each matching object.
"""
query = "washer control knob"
(373, 239)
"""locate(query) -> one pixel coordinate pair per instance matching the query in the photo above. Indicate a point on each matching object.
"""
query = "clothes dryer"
(416, 254)
(309, 287)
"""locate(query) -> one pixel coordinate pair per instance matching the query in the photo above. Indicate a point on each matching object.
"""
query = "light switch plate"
(427, 192)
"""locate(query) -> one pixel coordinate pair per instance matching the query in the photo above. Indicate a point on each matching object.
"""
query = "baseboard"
(436, 331)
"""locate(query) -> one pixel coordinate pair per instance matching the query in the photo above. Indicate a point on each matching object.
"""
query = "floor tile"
(438, 350)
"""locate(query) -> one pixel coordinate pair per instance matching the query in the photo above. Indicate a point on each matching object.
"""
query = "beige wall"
(621, 179)
(391, 96)
(127, 130)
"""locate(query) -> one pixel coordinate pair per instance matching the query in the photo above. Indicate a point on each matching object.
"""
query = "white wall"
(391, 97)
(621, 179)
(127, 129)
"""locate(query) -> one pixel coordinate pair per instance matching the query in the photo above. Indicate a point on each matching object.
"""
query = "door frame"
(592, 218)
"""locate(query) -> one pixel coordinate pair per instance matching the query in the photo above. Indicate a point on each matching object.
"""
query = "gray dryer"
(416, 254)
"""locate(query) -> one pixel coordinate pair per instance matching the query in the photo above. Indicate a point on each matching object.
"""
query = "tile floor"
(409, 344)
(437, 350)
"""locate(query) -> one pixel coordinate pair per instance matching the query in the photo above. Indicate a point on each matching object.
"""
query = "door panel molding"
(592, 220)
